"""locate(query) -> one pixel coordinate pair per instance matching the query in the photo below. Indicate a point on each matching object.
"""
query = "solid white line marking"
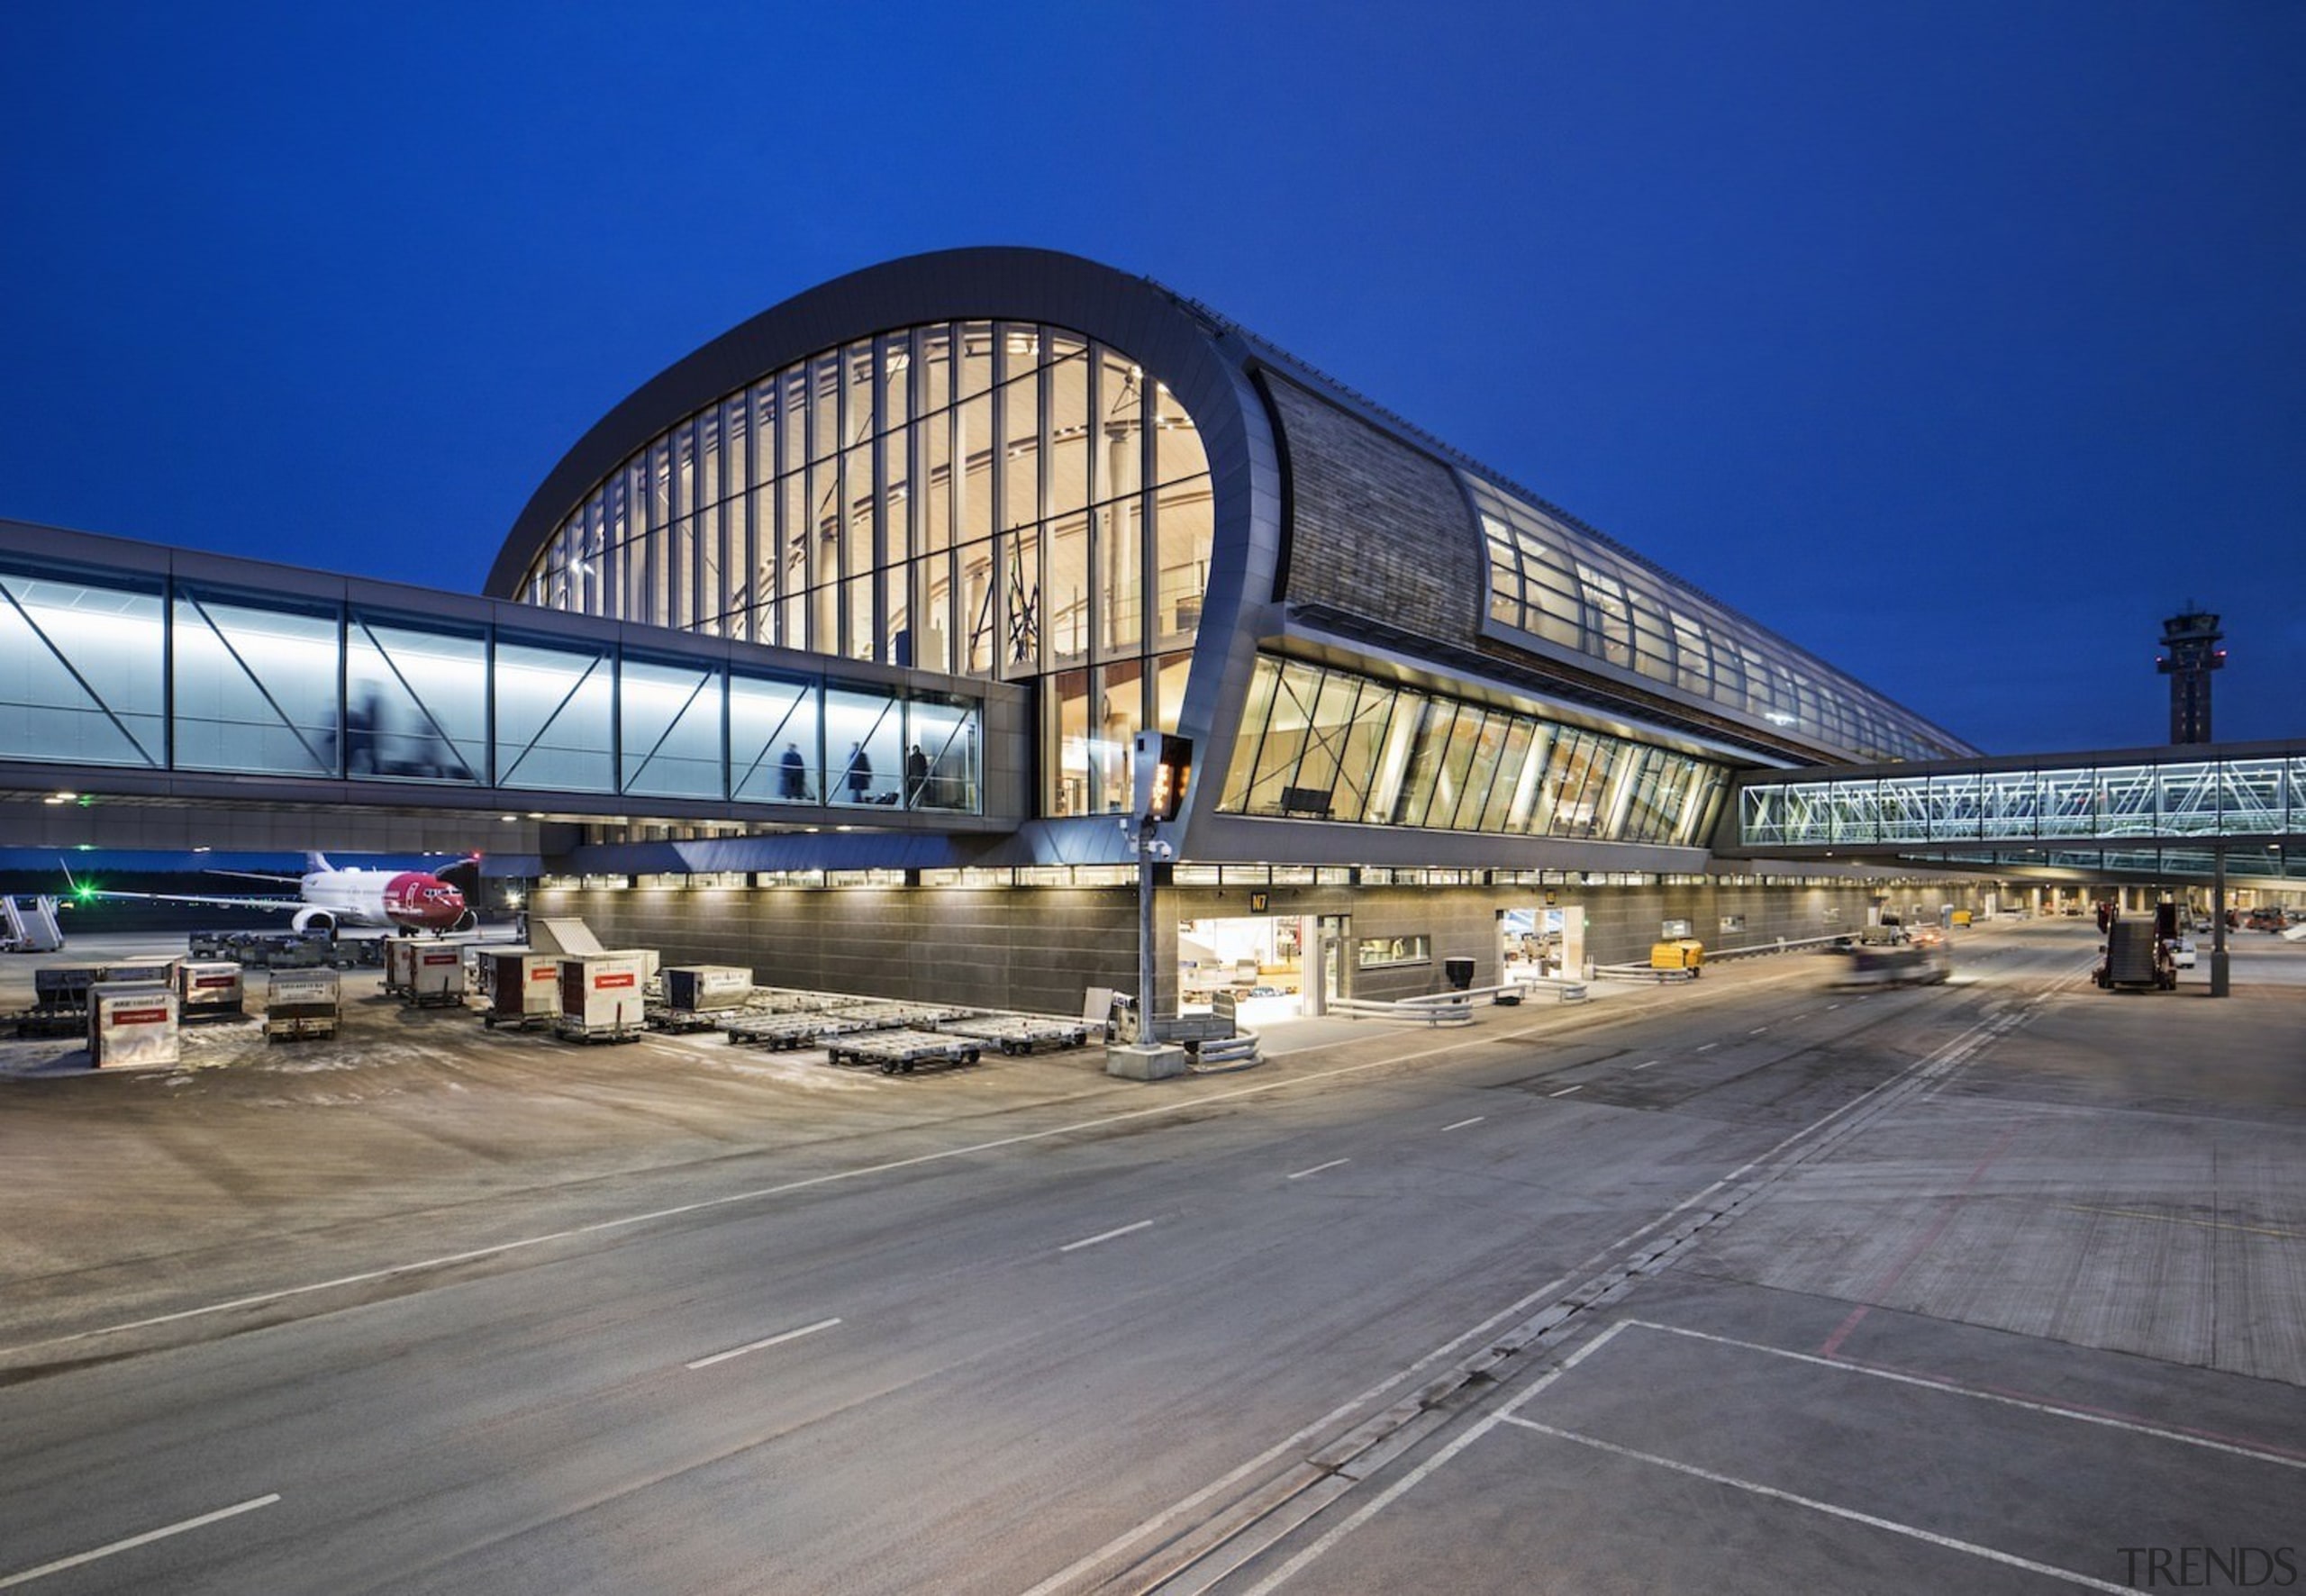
(1461, 1124)
(1707, 1047)
(1646, 1065)
(1565, 1090)
(1064, 1578)
(2079, 1415)
(166, 1530)
(758, 1194)
(1105, 1235)
(1852, 1514)
(1757, 1030)
(1833, 1005)
(1291, 1568)
(723, 1357)
(1316, 1168)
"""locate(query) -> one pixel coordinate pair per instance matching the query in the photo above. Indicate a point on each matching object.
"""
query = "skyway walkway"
(2166, 812)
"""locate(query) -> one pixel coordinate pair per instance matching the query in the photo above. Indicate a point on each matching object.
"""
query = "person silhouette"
(860, 774)
(793, 777)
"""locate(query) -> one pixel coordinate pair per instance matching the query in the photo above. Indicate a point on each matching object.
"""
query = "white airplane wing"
(82, 894)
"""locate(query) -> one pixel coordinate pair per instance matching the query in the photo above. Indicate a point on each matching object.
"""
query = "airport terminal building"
(1431, 714)
(826, 652)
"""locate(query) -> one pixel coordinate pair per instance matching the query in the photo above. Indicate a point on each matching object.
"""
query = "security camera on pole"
(1164, 767)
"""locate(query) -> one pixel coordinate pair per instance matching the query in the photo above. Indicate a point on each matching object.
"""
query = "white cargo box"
(649, 958)
(600, 994)
(697, 988)
(208, 991)
(302, 1004)
(522, 984)
(132, 1022)
(437, 973)
(400, 964)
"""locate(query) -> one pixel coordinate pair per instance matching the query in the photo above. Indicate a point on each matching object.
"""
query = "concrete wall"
(1039, 948)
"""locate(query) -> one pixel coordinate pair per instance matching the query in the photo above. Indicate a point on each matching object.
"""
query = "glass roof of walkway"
(2162, 812)
(137, 670)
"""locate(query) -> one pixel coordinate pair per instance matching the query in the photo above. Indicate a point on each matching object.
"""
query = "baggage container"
(697, 989)
(400, 966)
(302, 1004)
(522, 987)
(209, 991)
(601, 997)
(436, 976)
(132, 1022)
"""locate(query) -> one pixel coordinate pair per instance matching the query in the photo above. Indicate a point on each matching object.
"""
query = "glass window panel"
(1021, 349)
(1068, 616)
(1020, 604)
(942, 759)
(1481, 771)
(1360, 748)
(793, 421)
(553, 708)
(416, 699)
(1332, 720)
(773, 753)
(1393, 757)
(1118, 469)
(1177, 453)
(1067, 755)
(1068, 431)
(896, 497)
(255, 687)
(1241, 770)
(669, 729)
(1182, 529)
(935, 348)
(1021, 454)
(82, 671)
(858, 549)
(896, 381)
(1512, 761)
(1117, 558)
(1422, 791)
(1169, 689)
(972, 482)
(1287, 724)
(864, 743)
(980, 606)
(1113, 741)
(935, 434)
(824, 407)
(977, 359)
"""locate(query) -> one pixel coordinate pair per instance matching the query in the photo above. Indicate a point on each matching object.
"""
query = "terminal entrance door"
(1275, 965)
(1543, 939)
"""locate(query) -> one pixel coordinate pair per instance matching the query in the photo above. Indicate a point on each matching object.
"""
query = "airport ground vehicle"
(2136, 957)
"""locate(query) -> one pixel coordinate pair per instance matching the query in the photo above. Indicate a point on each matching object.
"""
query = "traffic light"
(1172, 769)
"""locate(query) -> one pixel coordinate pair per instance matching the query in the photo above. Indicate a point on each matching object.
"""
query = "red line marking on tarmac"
(1832, 1346)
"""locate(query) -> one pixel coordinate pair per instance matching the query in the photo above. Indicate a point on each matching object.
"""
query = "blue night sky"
(1959, 343)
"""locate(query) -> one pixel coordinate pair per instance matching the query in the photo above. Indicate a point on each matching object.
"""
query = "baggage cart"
(900, 1052)
(1017, 1034)
(132, 1022)
(302, 1004)
(522, 987)
(780, 1032)
(209, 990)
(436, 977)
(601, 998)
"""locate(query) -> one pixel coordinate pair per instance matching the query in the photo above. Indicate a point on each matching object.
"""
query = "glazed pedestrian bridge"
(128, 669)
(2162, 812)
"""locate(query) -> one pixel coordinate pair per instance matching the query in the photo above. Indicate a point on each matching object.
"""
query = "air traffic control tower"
(2190, 652)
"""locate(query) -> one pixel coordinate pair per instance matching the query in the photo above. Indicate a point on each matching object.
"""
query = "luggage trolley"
(782, 1031)
(897, 1052)
(1020, 1033)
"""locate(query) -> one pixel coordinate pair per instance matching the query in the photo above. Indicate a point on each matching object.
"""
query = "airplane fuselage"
(405, 900)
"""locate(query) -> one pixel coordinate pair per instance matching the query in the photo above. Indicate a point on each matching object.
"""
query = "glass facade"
(1323, 744)
(2262, 797)
(997, 499)
(117, 671)
(1549, 581)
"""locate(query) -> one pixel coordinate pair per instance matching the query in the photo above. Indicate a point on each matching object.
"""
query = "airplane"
(404, 900)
